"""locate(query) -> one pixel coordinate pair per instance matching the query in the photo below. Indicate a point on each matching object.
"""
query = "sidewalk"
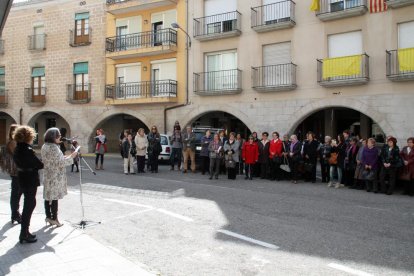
(58, 251)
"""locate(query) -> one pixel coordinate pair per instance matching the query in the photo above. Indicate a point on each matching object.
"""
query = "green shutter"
(80, 16)
(38, 72)
(2, 72)
(80, 68)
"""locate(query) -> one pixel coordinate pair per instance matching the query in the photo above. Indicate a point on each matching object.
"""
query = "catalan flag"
(377, 6)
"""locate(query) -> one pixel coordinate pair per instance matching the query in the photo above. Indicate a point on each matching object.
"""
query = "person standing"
(358, 176)
(390, 163)
(324, 155)
(264, 155)
(8, 166)
(129, 150)
(141, 142)
(204, 153)
(310, 152)
(100, 148)
(407, 173)
(250, 155)
(177, 147)
(28, 166)
(295, 157)
(216, 155)
(189, 140)
(223, 140)
(240, 165)
(275, 156)
(231, 150)
(154, 148)
(369, 161)
(54, 174)
(351, 161)
(77, 158)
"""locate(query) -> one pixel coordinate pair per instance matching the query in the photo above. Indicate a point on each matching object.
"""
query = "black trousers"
(240, 167)
(249, 170)
(51, 209)
(311, 175)
(15, 196)
(264, 169)
(176, 154)
(231, 173)
(140, 163)
(205, 164)
(153, 161)
(29, 204)
(275, 171)
(75, 163)
(97, 158)
(409, 187)
(349, 176)
(392, 174)
(325, 170)
(294, 168)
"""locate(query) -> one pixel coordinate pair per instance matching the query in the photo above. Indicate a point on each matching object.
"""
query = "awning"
(38, 72)
(80, 16)
(80, 68)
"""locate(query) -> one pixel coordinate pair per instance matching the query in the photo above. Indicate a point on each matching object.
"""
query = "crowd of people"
(344, 161)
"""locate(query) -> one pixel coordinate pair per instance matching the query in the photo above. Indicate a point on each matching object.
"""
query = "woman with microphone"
(54, 174)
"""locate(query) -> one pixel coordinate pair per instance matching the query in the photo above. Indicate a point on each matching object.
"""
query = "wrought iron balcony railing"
(335, 9)
(274, 16)
(400, 64)
(218, 82)
(143, 89)
(4, 101)
(164, 37)
(342, 71)
(35, 96)
(37, 42)
(80, 39)
(219, 25)
(78, 93)
(274, 77)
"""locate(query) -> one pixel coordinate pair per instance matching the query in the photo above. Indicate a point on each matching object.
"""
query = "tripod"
(84, 223)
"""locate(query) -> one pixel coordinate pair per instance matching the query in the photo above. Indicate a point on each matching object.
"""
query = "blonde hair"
(24, 134)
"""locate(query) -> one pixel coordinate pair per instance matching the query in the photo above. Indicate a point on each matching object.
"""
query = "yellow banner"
(406, 59)
(315, 5)
(341, 66)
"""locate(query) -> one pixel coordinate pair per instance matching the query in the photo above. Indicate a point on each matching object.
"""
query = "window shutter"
(276, 54)
(406, 35)
(80, 68)
(347, 44)
(213, 7)
(38, 72)
(81, 16)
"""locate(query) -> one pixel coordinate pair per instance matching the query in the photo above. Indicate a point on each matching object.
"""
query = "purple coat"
(370, 157)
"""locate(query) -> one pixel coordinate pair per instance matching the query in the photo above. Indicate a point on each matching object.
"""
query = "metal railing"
(37, 42)
(35, 96)
(329, 6)
(80, 40)
(1, 46)
(164, 37)
(398, 64)
(217, 24)
(143, 89)
(273, 13)
(344, 69)
(274, 76)
(220, 82)
(79, 93)
(3, 98)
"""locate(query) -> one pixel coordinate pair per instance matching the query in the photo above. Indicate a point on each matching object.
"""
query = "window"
(127, 32)
(221, 73)
(346, 44)
(2, 82)
(128, 78)
(276, 59)
(160, 21)
(406, 35)
(279, 11)
(38, 83)
(81, 76)
(340, 5)
(82, 28)
(219, 20)
(39, 37)
(162, 71)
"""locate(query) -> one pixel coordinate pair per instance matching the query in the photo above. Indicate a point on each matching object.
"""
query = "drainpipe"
(21, 116)
(187, 68)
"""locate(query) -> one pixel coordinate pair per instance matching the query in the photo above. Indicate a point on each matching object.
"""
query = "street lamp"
(176, 26)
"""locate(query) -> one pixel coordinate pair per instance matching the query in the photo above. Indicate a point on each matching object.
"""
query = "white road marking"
(129, 203)
(245, 238)
(349, 270)
(132, 214)
(175, 215)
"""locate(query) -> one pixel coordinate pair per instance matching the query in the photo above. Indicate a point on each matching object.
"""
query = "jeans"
(97, 159)
(176, 154)
(339, 172)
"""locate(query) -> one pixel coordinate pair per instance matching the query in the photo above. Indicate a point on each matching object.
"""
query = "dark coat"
(205, 142)
(351, 157)
(154, 144)
(407, 172)
(126, 147)
(263, 152)
(341, 151)
(392, 157)
(311, 150)
(28, 165)
(297, 156)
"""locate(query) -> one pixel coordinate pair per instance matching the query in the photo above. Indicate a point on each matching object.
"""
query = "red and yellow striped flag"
(377, 6)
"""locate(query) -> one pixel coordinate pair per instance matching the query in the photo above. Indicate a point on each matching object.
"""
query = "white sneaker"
(330, 184)
(337, 186)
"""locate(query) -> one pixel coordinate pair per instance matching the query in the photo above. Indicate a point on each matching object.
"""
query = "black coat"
(28, 165)
(311, 150)
(263, 152)
(297, 156)
(392, 157)
(154, 144)
(341, 151)
(126, 148)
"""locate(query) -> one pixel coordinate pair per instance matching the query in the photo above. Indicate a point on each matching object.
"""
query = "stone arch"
(299, 115)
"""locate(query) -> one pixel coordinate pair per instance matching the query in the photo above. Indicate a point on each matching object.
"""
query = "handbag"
(333, 160)
(368, 175)
(285, 167)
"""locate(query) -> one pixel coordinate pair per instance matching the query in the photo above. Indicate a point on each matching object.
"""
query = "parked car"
(200, 131)
(166, 148)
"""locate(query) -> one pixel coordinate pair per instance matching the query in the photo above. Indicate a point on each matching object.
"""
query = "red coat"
(407, 172)
(250, 153)
(276, 148)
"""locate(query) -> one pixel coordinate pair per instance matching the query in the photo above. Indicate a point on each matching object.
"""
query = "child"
(76, 159)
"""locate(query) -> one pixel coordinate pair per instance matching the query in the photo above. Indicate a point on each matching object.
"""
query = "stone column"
(330, 123)
(365, 126)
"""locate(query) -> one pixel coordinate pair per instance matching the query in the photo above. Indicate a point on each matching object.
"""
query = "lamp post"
(176, 26)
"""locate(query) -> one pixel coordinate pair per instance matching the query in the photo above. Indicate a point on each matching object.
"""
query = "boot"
(25, 237)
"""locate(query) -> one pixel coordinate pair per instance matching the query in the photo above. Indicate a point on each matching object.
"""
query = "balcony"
(123, 6)
(76, 40)
(1, 46)
(35, 96)
(4, 101)
(216, 83)
(78, 93)
(280, 77)
(337, 9)
(217, 26)
(399, 3)
(37, 42)
(343, 71)
(142, 44)
(275, 16)
(162, 91)
(400, 64)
